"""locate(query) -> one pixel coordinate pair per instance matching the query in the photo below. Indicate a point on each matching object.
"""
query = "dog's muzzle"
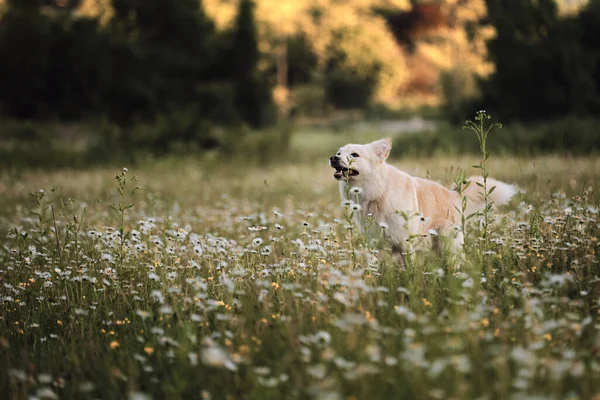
(340, 170)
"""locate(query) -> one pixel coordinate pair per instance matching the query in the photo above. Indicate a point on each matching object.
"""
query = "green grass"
(568, 135)
(239, 282)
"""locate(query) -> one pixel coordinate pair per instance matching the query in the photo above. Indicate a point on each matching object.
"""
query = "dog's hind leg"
(399, 255)
(447, 241)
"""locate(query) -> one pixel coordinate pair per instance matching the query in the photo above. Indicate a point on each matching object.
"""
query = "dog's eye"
(354, 155)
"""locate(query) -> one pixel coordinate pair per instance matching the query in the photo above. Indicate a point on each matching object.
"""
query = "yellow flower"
(547, 336)
(485, 322)
(148, 350)
(114, 344)
(275, 285)
(426, 302)
(369, 317)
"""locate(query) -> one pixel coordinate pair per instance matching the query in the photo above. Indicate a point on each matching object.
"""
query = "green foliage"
(247, 146)
(481, 129)
(572, 135)
(302, 60)
(347, 89)
(24, 67)
(159, 71)
(252, 92)
(544, 65)
(250, 285)
(310, 101)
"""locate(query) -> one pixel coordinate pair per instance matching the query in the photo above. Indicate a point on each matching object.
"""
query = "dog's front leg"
(399, 255)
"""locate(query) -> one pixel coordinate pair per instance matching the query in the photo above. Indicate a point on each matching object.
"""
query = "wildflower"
(114, 344)
(347, 203)
(156, 330)
(322, 337)
(215, 356)
(148, 350)
(45, 393)
(158, 296)
(390, 361)
(468, 283)
(433, 232)
(195, 317)
(45, 378)
(523, 356)
(568, 211)
(85, 387)
(166, 310)
(264, 371)
(139, 396)
(317, 371)
(383, 225)
(355, 207)
(206, 395)
(257, 241)
(356, 190)
(268, 382)
(266, 251)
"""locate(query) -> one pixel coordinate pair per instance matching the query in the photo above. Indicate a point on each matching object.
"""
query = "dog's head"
(354, 162)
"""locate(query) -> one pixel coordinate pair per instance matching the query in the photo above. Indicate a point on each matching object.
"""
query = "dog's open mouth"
(341, 172)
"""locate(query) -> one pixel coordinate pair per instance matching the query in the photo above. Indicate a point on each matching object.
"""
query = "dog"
(406, 206)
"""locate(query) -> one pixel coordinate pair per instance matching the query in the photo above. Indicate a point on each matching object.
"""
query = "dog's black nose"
(334, 158)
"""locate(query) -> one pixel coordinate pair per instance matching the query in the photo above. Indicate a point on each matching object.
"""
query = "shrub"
(577, 136)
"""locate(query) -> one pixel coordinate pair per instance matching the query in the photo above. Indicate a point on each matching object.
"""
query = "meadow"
(203, 278)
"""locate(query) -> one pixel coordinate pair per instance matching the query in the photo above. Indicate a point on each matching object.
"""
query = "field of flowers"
(186, 279)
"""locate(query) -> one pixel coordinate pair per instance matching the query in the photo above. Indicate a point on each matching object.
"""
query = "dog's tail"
(501, 193)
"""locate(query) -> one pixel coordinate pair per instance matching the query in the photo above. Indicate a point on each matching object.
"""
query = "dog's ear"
(382, 147)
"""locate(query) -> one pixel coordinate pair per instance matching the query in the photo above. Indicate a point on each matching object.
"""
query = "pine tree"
(542, 70)
(26, 41)
(166, 50)
(252, 94)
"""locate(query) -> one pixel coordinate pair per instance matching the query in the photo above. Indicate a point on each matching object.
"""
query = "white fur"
(387, 192)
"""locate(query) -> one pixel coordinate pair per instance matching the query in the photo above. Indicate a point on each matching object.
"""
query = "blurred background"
(88, 82)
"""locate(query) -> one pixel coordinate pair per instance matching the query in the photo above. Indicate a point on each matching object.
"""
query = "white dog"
(389, 195)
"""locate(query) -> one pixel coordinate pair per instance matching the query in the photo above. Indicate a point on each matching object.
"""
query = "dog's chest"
(374, 208)
(390, 216)
(380, 213)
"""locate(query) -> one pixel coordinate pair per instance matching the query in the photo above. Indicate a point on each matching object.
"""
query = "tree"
(541, 68)
(165, 50)
(589, 22)
(352, 27)
(25, 43)
(252, 94)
